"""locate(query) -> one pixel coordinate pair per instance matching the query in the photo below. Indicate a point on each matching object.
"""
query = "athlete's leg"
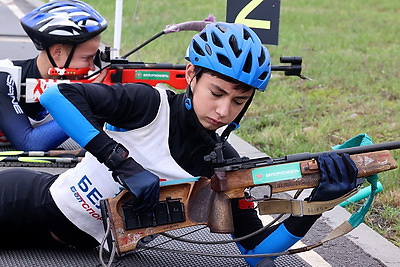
(22, 194)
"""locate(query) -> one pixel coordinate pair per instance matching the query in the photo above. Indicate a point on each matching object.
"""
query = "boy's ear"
(190, 73)
(56, 51)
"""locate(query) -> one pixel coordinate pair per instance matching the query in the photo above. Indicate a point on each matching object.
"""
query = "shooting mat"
(72, 257)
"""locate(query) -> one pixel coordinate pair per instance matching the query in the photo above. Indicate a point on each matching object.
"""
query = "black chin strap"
(217, 156)
(53, 63)
(236, 122)
(67, 62)
(71, 54)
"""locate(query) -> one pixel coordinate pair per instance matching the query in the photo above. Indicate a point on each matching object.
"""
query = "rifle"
(206, 201)
(50, 153)
(124, 71)
(49, 160)
(70, 157)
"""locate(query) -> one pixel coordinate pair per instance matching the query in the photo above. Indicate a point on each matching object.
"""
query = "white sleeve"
(6, 65)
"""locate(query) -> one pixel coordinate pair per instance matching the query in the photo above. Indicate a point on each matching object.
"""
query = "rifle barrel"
(144, 65)
(352, 150)
(245, 163)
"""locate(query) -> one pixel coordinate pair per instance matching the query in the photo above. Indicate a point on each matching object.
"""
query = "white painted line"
(15, 39)
(13, 7)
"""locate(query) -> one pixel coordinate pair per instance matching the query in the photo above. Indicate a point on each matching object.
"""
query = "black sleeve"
(82, 109)
(127, 106)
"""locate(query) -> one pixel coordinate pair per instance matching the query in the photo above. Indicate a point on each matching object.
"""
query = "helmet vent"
(216, 40)
(224, 60)
(246, 35)
(222, 28)
(263, 75)
(197, 48)
(234, 45)
(208, 49)
(247, 64)
(204, 36)
(261, 59)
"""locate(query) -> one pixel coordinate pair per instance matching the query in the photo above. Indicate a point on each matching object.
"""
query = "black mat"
(72, 257)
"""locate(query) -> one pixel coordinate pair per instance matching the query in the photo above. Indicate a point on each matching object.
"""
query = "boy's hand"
(338, 177)
(140, 182)
(100, 77)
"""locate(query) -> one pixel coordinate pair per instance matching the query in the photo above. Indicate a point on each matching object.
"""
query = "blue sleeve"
(16, 126)
(279, 240)
(68, 116)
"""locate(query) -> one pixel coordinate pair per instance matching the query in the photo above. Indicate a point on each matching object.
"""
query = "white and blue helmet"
(66, 22)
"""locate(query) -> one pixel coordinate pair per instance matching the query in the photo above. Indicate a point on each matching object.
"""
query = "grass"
(349, 49)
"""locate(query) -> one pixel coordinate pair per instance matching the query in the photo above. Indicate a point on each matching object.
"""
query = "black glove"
(140, 182)
(338, 176)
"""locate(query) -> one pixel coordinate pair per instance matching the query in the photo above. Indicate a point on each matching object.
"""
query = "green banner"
(276, 173)
(152, 75)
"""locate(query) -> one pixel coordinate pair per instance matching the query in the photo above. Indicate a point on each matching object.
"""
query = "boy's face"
(83, 56)
(215, 101)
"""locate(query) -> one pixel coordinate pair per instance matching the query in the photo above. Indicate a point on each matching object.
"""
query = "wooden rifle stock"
(207, 201)
(367, 164)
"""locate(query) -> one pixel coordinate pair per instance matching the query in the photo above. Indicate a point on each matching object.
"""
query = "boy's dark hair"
(237, 84)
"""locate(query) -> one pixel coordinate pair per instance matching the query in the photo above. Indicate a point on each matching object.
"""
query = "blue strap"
(357, 218)
(179, 181)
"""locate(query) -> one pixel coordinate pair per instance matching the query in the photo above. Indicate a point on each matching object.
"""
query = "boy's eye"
(215, 94)
(236, 102)
(87, 58)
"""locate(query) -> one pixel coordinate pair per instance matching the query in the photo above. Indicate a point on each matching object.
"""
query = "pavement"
(361, 247)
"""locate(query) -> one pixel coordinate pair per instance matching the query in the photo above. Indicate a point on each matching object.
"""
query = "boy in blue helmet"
(137, 134)
(67, 34)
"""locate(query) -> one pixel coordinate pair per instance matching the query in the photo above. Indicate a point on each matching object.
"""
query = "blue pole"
(363, 193)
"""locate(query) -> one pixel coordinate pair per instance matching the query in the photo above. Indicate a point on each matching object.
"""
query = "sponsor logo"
(276, 173)
(152, 75)
(11, 93)
(91, 197)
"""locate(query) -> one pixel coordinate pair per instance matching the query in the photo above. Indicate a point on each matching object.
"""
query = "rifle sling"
(299, 207)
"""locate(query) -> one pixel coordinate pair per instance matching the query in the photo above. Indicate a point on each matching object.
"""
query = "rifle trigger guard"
(258, 193)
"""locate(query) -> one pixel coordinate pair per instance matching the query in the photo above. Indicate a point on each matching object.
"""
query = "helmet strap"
(53, 63)
(236, 122)
(67, 62)
(217, 156)
(189, 93)
(71, 54)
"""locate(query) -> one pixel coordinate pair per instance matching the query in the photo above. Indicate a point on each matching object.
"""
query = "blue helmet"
(66, 22)
(233, 50)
